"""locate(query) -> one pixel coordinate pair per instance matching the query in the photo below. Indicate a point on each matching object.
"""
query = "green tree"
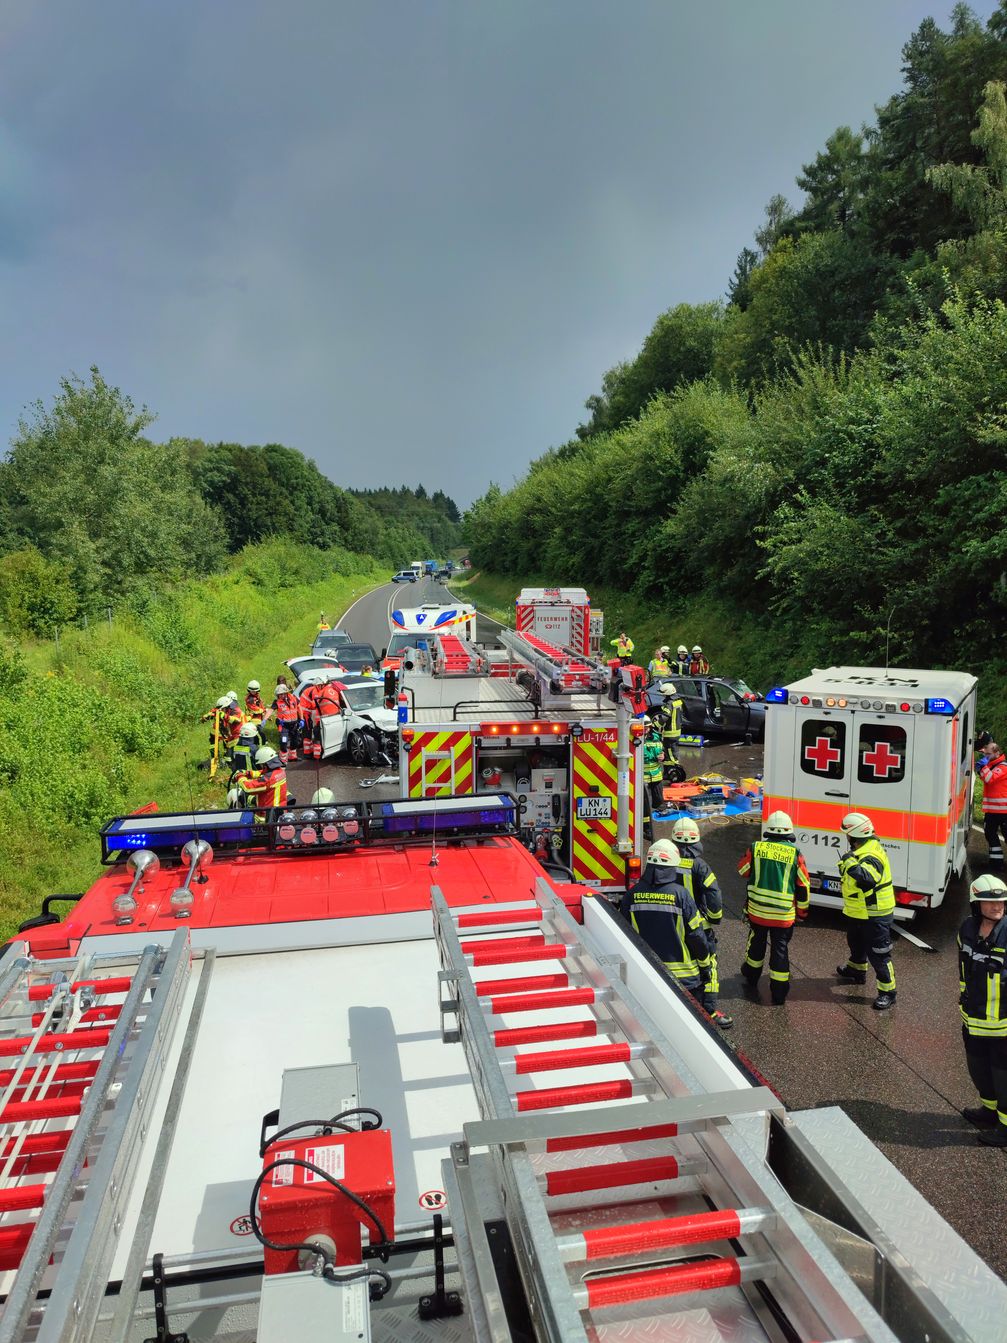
(36, 594)
(835, 181)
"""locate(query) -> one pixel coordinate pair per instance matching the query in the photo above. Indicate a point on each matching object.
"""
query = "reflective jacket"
(682, 666)
(254, 707)
(867, 887)
(287, 707)
(700, 882)
(265, 788)
(981, 974)
(623, 647)
(663, 912)
(659, 667)
(243, 754)
(994, 777)
(653, 761)
(670, 715)
(328, 700)
(232, 720)
(779, 889)
(699, 667)
(307, 702)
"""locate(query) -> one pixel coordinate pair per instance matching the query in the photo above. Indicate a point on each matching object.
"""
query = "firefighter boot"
(751, 977)
(778, 993)
(316, 749)
(884, 1001)
(994, 1137)
(980, 1116)
(850, 975)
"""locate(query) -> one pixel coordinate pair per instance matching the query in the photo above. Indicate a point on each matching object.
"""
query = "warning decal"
(330, 1159)
(433, 1200)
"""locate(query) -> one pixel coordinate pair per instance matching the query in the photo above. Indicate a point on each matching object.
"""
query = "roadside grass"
(107, 720)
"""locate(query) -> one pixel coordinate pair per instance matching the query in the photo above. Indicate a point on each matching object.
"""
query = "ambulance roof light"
(778, 695)
(938, 704)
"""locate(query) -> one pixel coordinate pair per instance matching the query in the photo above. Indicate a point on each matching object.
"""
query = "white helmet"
(696, 648)
(322, 797)
(283, 689)
(685, 831)
(683, 651)
(223, 702)
(265, 755)
(858, 826)
(316, 678)
(232, 797)
(232, 695)
(664, 649)
(248, 731)
(668, 688)
(663, 854)
(988, 887)
(778, 823)
(254, 685)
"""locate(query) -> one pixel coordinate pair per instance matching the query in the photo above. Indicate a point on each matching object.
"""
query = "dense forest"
(94, 515)
(825, 447)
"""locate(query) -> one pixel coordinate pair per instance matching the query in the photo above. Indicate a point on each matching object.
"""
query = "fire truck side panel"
(594, 859)
(439, 762)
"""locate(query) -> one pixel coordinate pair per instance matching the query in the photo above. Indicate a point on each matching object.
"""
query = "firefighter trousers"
(290, 739)
(995, 825)
(870, 942)
(655, 792)
(986, 1057)
(779, 958)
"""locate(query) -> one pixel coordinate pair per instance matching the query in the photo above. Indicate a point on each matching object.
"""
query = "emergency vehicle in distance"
(894, 743)
(412, 628)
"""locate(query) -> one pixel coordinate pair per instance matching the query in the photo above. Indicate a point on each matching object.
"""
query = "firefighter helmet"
(988, 887)
(778, 823)
(223, 702)
(322, 797)
(664, 649)
(685, 831)
(858, 826)
(682, 651)
(668, 688)
(232, 695)
(254, 685)
(696, 650)
(663, 854)
(248, 731)
(265, 755)
(281, 689)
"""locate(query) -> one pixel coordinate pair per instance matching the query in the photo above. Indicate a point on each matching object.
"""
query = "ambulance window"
(881, 753)
(965, 736)
(823, 748)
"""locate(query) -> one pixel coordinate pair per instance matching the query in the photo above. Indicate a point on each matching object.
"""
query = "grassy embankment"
(107, 720)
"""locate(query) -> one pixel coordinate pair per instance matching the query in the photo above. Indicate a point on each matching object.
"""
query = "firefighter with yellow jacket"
(779, 891)
(982, 981)
(868, 909)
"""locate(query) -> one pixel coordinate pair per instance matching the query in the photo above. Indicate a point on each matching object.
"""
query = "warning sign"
(329, 1159)
(283, 1174)
(434, 1200)
(242, 1226)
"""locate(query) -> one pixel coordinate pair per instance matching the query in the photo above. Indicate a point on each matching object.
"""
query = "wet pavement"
(900, 1075)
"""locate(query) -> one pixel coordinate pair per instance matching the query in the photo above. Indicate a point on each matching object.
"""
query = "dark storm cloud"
(406, 238)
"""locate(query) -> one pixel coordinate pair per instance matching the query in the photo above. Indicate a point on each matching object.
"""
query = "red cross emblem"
(823, 754)
(882, 759)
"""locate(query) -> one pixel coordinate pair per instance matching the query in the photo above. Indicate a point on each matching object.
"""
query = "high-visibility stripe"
(595, 774)
(428, 777)
(918, 827)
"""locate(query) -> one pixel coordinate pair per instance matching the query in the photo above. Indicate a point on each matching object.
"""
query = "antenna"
(888, 635)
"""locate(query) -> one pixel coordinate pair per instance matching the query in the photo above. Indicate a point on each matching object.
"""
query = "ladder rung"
(543, 1002)
(39, 992)
(501, 954)
(673, 1280)
(555, 1060)
(471, 946)
(38, 1153)
(521, 984)
(536, 1035)
(22, 1197)
(605, 1242)
(490, 917)
(611, 1139)
(108, 1013)
(64, 1072)
(585, 1093)
(16, 1112)
(613, 1174)
(13, 1243)
(57, 1040)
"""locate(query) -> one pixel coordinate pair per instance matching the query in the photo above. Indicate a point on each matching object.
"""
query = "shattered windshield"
(365, 696)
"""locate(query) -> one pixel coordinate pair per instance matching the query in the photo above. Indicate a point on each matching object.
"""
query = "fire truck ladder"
(455, 656)
(563, 671)
(83, 1046)
(634, 1204)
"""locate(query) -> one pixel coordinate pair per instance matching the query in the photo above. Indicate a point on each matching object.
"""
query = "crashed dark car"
(716, 706)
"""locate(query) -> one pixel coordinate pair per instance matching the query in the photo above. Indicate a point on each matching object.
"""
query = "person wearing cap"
(682, 661)
(659, 667)
(982, 971)
(664, 914)
(700, 881)
(868, 909)
(992, 766)
(698, 664)
(779, 891)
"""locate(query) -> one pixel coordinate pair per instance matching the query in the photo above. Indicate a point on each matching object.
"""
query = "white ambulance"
(895, 744)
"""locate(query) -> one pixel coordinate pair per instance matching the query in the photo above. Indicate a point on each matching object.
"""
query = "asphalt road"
(899, 1075)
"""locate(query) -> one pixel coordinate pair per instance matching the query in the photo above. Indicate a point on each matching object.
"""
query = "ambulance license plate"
(594, 808)
(831, 884)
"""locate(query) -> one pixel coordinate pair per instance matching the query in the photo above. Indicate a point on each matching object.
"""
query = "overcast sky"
(406, 238)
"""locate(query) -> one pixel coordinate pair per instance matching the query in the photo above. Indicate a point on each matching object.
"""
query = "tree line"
(93, 513)
(826, 445)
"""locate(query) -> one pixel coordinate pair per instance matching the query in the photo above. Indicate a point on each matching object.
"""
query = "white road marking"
(911, 937)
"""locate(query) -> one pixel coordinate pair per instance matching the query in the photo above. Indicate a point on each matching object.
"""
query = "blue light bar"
(778, 695)
(940, 705)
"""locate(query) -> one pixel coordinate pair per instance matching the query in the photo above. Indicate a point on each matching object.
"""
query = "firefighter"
(231, 721)
(323, 624)
(698, 664)
(309, 717)
(993, 772)
(868, 909)
(254, 707)
(328, 702)
(266, 785)
(779, 890)
(682, 661)
(653, 768)
(287, 710)
(670, 717)
(659, 667)
(664, 914)
(244, 749)
(982, 971)
(624, 646)
(701, 883)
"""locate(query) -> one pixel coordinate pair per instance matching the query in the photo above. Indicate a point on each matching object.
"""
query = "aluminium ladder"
(634, 1206)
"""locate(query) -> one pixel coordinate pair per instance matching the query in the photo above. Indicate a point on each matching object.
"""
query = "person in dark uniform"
(982, 975)
(779, 892)
(663, 912)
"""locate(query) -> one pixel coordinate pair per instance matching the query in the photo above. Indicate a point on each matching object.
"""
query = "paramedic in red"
(993, 772)
(779, 891)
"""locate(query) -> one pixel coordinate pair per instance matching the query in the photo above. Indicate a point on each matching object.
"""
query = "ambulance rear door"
(823, 746)
(881, 783)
